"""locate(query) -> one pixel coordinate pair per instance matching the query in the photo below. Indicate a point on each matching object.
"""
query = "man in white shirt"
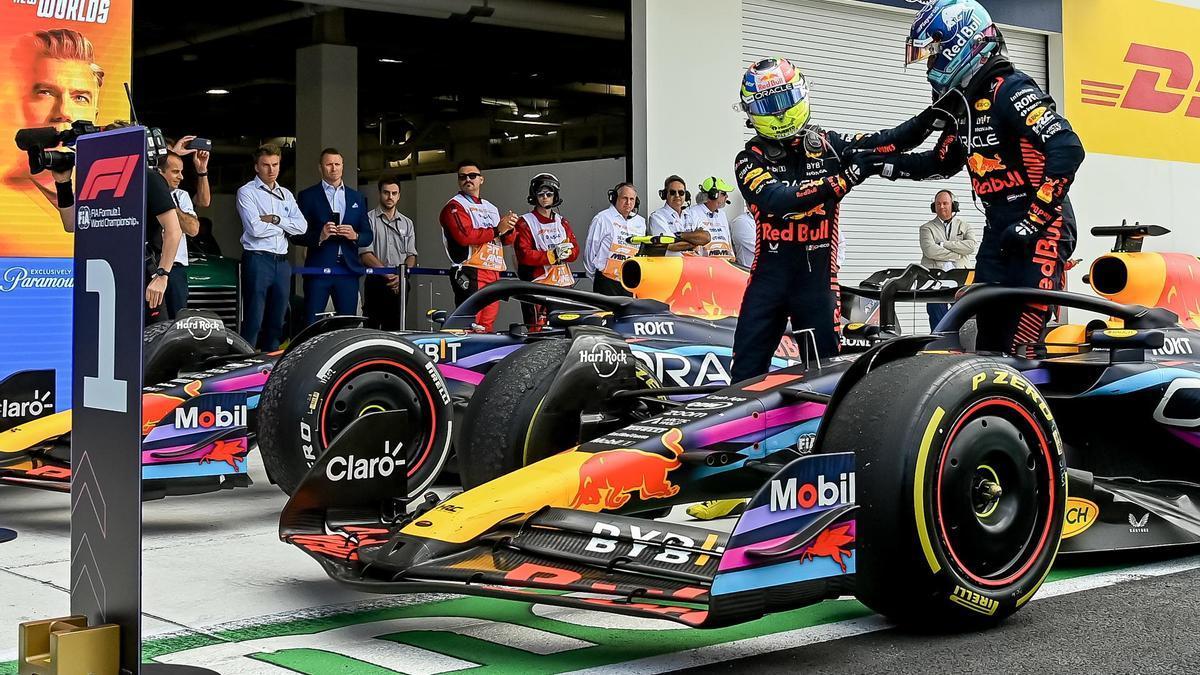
(743, 230)
(607, 249)
(269, 214)
(674, 220)
(946, 243)
(176, 296)
(707, 214)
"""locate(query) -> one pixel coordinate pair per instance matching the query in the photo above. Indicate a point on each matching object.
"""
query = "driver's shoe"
(717, 508)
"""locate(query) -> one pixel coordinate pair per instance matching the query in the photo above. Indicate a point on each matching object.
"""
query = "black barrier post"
(403, 271)
(106, 436)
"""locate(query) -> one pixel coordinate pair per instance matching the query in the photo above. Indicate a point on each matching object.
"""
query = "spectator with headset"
(674, 218)
(544, 245)
(946, 243)
(607, 243)
(707, 214)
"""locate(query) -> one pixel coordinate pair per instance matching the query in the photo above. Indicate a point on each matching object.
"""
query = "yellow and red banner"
(1132, 70)
(64, 60)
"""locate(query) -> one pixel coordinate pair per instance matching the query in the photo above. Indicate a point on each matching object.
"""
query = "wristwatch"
(274, 219)
(160, 272)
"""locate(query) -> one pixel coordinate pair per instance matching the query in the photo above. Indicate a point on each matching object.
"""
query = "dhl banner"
(64, 60)
(1133, 77)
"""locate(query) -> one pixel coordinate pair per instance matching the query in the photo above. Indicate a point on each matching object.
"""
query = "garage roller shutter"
(852, 55)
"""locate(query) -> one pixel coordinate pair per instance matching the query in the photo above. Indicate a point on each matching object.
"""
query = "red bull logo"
(610, 478)
(982, 166)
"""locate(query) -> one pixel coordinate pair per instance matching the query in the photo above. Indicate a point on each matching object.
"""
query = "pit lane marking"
(803, 637)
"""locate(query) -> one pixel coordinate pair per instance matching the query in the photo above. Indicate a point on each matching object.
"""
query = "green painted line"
(610, 645)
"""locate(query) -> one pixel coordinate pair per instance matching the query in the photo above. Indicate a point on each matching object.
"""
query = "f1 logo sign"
(1143, 92)
(110, 173)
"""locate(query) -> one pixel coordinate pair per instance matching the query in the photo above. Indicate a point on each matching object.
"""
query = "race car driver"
(544, 244)
(1022, 156)
(793, 176)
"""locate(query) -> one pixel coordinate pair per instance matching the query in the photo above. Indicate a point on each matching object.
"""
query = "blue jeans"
(937, 311)
(266, 287)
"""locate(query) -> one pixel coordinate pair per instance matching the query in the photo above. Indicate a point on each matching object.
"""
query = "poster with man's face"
(64, 61)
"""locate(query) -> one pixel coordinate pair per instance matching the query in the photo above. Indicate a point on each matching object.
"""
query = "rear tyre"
(171, 346)
(327, 382)
(495, 429)
(498, 434)
(961, 487)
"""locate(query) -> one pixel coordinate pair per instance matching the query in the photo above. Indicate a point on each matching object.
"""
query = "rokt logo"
(110, 173)
(194, 418)
(1143, 92)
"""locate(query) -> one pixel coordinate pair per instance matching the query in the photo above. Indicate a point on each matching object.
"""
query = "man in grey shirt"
(394, 245)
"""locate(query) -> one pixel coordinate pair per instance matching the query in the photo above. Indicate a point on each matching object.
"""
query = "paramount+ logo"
(1146, 90)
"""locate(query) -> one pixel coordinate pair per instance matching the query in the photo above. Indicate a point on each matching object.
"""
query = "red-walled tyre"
(327, 382)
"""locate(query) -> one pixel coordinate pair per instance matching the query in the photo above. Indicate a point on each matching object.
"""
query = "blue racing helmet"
(954, 38)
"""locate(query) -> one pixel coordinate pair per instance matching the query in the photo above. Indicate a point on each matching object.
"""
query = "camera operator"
(176, 299)
(159, 205)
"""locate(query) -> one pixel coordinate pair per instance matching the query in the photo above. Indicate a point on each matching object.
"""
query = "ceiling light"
(532, 115)
(390, 61)
(597, 16)
(217, 92)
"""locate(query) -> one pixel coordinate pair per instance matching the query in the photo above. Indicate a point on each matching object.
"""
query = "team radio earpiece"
(953, 201)
(612, 195)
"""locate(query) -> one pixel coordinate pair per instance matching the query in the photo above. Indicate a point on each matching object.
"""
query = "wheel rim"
(995, 492)
(376, 386)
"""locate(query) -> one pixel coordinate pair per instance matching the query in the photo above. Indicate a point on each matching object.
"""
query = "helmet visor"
(775, 101)
(921, 50)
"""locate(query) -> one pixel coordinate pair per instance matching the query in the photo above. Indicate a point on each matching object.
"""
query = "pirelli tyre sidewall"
(961, 485)
(320, 387)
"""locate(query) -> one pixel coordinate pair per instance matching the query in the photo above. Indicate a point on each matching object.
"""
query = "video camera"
(37, 143)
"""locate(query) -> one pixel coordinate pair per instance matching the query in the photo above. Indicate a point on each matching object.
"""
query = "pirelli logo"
(974, 601)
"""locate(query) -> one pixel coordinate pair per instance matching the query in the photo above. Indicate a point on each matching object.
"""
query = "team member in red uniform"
(544, 244)
(475, 236)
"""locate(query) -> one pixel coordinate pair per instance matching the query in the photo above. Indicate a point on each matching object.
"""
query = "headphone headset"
(662, 194)
(953, 201)
(612, 195)
(540, 181)
(711, 193)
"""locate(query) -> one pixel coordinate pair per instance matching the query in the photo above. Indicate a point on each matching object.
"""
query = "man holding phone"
(337, 227)
(200, 149)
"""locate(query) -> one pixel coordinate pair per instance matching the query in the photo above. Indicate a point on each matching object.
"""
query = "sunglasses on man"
(677, 193)
(469, 176)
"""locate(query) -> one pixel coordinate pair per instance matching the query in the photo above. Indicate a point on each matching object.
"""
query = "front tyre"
(327, 382)
(961, 482)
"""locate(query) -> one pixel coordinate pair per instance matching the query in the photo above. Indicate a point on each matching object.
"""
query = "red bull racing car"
(930, 481)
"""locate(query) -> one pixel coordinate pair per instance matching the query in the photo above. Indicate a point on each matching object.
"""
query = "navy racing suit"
(793, 190)
(1022, 157)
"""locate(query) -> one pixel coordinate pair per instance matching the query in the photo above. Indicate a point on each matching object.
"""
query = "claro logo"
(1143, 91)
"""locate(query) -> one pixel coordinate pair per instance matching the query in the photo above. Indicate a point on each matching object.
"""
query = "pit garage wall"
(1141, 165)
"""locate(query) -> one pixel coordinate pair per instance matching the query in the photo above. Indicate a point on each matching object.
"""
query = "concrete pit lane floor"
(221, 591)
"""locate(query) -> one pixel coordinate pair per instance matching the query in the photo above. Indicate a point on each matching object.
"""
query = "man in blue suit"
(337, 227)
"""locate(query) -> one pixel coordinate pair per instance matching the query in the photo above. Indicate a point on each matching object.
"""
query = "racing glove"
(1020, 237)
(861, 166)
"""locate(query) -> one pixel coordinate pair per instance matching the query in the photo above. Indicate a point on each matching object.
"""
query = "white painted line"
(802, 637)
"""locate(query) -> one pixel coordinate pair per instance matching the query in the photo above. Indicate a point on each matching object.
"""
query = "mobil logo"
(212, 412)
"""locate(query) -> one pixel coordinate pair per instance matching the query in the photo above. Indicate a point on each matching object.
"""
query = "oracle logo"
(1143, 91)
